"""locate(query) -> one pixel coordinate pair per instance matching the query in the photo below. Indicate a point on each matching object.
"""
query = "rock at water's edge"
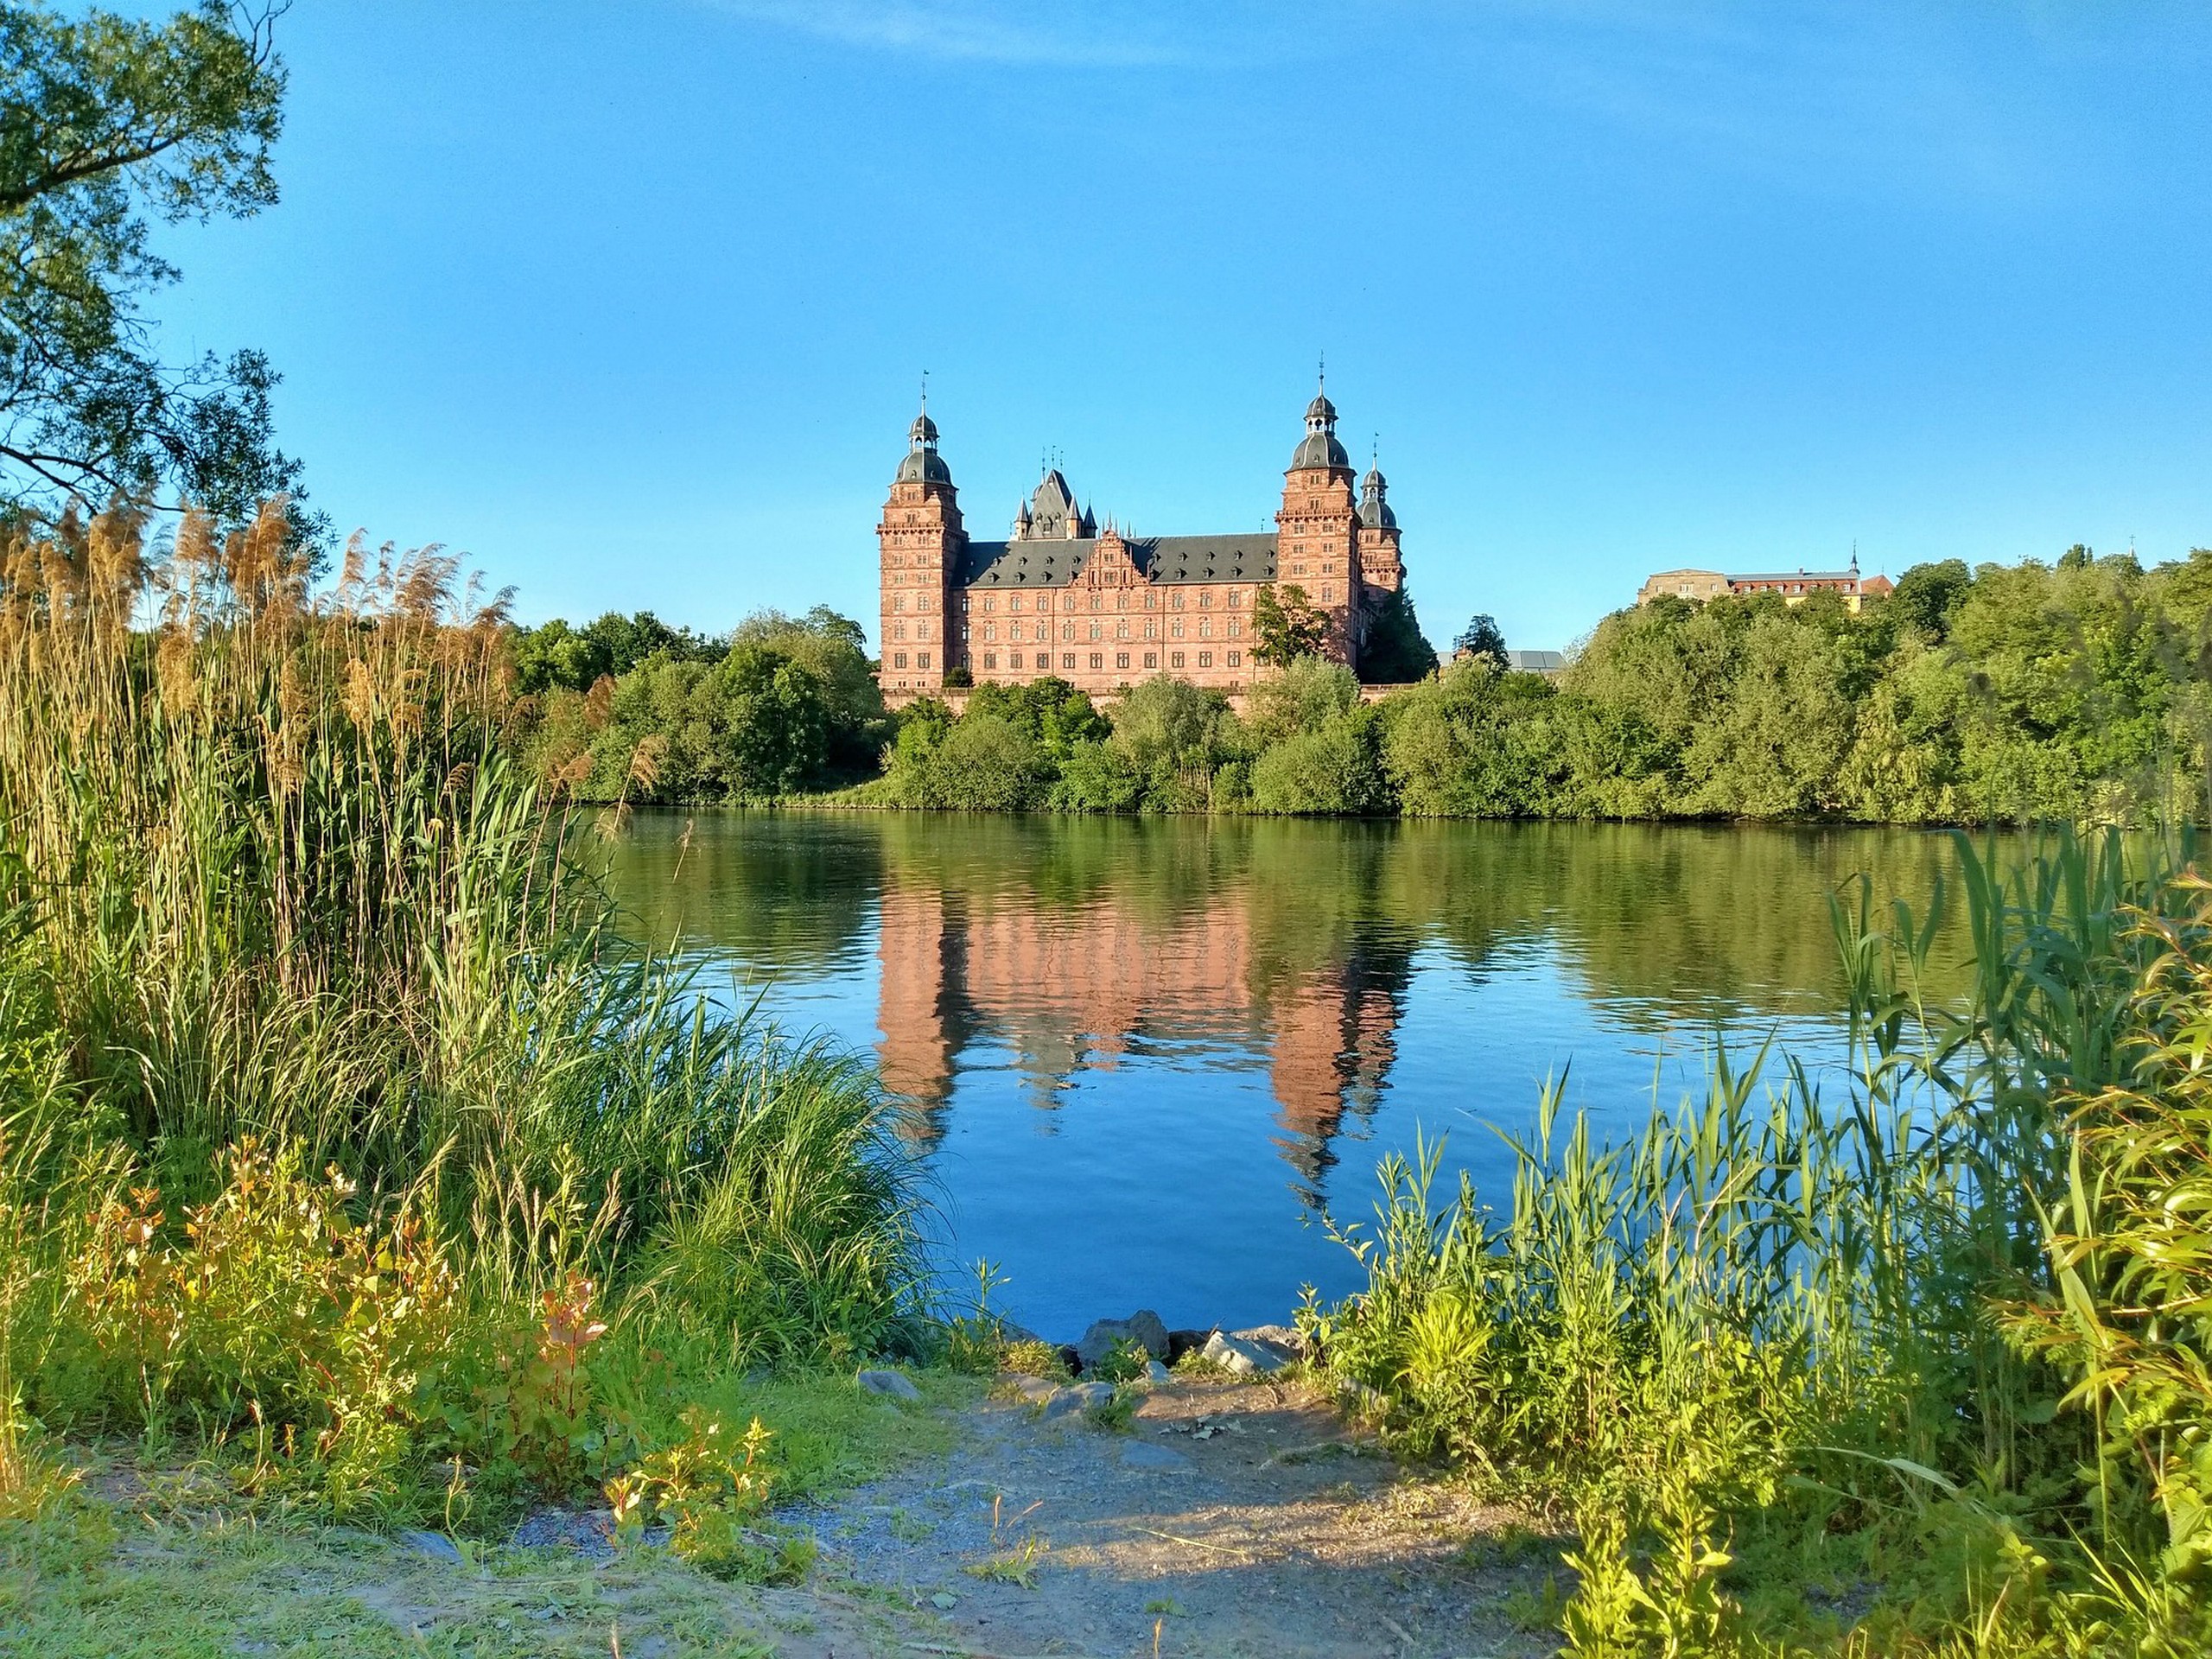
(1144, 1327)
(1256, 1352)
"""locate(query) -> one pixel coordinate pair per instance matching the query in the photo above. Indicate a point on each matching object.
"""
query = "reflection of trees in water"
(1075, 941)
(779, 893)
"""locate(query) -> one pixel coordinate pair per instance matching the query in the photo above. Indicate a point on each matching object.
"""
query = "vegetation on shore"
(341, 1140)
(1921, 1369)
(2072, 692)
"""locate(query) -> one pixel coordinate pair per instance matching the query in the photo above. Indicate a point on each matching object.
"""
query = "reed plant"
(331, 1102)
(1928, 1348)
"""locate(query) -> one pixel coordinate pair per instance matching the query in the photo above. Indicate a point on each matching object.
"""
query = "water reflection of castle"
(1070, 990)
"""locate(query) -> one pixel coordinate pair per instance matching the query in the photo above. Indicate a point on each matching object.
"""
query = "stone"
(897, 1384)
(1256, 1352)
(436, 1545)
(1099, 1340)
(1036, 1389)
(1139, 1455)
(1180, 1343)
(1156, 1372)
(1151, 1331)
(1144, 1327)
(1076, 1398)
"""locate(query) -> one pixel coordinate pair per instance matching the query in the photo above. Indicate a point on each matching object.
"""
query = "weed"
(1124, 1361)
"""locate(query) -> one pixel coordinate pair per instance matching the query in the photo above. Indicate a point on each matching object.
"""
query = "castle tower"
(1382, 570)
(920, 541)
(1315, 548)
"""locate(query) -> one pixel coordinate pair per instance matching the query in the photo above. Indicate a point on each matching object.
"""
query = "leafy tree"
(1304, 697)
(1395, 652)
(103, 122)
(1335, 771)
(558, 655)
(1481, 637)
(1286, 626)
(1048, 711)
(1925, 596)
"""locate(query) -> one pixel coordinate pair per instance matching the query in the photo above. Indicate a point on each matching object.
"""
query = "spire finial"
(1322, 375)
(926, 391)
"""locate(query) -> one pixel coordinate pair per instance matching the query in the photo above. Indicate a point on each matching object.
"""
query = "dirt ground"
(1224, 1518)
(1227, 1519)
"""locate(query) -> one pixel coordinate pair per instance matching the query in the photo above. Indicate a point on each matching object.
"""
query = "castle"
(1104, 610)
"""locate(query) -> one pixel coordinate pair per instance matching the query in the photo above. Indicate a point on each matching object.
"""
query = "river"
(1148, 1054)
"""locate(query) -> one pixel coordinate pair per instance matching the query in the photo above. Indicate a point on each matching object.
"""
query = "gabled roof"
(1056, 562)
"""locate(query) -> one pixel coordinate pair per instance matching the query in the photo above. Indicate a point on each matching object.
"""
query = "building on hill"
(1795, 586)
(1104, 608)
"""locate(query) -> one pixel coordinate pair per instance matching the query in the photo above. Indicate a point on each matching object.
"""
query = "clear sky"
(629, 302)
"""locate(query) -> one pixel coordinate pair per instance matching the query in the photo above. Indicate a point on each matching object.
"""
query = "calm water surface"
(1148, 1053)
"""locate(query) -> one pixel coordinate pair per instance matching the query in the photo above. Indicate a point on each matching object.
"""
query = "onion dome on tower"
(1319, 446)
(923, 464)
(1374, 504)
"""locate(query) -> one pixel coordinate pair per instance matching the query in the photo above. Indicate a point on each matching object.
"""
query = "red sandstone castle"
(1103, 611)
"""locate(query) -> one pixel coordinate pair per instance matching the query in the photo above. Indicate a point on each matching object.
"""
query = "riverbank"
(1219, 1518)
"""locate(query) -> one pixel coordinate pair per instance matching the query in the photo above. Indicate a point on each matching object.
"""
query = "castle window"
(1175, 659)
(1067, 659)
(1234, 629)
(900, 660)
(1236, 659)
(1177, 602)
(1206, 598)
(991, 604)
(1095, 632)
(1151, 602)
(1236, 597)
(921, 660)
(990, 630)
(1067, 601)
(898, 603)
(1151, 659)
(1151, 629)
(990, 659)
(1122, 631)
(1206, 659)
(898, 630)
(1121, 659)
(1098, 660)
(1014, 602)
(1098, 601)
(1205, 628)
(1176, 627)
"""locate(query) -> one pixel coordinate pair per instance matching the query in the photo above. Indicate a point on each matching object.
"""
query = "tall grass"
(273, 900)
(1930, 1347)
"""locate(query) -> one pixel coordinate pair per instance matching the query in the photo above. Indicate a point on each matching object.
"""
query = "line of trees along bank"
(2081, 690)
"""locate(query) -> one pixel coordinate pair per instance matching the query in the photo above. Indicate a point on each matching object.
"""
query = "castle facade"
(1104, 610)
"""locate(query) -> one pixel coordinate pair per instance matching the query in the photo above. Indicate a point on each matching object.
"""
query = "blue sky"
(629, 302)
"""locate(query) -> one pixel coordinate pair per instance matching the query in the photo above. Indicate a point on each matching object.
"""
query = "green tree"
(105, 121)
(1286, 626)
(1481, 637)
(1926, 594)
(1394, 651)
(1334, 771)
(1049, 711)
(1308, 693)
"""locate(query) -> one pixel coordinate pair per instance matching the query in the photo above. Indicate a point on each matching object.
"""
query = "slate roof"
(1056, 562)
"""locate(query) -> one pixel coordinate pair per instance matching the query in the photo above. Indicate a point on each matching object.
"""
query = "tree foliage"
(2078, 691)
(1286, 626)
(105, 121)
(1394, 651)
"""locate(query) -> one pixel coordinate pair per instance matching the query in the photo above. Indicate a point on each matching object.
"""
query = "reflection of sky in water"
(1172, 1161)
